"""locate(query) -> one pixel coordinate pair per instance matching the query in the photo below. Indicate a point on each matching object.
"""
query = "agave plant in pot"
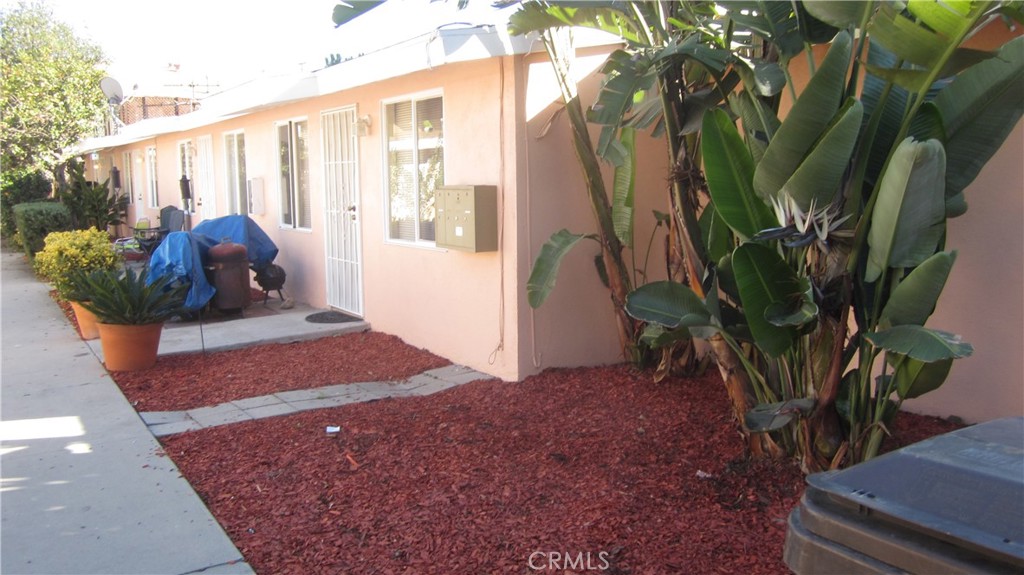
(131, 310)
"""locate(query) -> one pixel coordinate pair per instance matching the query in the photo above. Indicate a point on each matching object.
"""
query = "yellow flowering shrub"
(63, 252)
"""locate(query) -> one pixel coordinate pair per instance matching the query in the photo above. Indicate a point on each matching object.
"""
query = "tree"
(50, 86)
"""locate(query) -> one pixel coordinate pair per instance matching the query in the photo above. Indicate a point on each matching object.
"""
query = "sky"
(200, 47)
(171, 46)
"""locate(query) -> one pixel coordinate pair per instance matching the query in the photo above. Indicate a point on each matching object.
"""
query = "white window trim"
(277, 177)
(385, 167)
(234, 196)
(152, 190)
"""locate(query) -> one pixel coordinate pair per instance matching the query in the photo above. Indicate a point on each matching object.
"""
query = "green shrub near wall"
(19, 188)
(36, 220)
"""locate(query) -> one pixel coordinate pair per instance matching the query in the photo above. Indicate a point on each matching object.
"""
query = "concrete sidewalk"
(85, 486)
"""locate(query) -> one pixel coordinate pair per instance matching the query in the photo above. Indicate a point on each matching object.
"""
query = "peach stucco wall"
(984, 296)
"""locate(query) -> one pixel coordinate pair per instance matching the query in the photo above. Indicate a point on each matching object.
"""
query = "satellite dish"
(112, 90)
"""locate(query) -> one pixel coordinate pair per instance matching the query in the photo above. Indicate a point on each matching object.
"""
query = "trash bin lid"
(965, 487)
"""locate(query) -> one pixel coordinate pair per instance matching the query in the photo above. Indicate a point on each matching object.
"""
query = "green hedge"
(19, 188)
(35, 220)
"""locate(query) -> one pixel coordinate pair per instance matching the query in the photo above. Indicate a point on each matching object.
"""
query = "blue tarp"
(182, 254)
(242, 230)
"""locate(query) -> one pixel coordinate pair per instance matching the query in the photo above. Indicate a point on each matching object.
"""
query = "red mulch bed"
(187, 381)
(599, 464)
(645, 477)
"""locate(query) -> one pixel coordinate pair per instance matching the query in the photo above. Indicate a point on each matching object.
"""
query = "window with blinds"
(414, 132)
(293, 163)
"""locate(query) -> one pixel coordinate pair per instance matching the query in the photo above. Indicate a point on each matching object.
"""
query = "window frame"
(296, 191)
(237, 190)
(152, 189)
(412, 99)
(127, 177)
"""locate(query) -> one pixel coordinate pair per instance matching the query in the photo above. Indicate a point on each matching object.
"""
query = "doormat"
(330, 317)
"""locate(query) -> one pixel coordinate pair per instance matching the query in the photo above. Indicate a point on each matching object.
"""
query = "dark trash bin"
(950, 504)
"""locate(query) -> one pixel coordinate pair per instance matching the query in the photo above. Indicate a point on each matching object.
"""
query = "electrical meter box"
(467, 218)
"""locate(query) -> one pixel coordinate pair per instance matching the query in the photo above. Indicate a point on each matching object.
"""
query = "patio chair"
(172, 219)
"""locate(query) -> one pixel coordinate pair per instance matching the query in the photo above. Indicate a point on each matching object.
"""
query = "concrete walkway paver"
(163, 423)
(85, 487)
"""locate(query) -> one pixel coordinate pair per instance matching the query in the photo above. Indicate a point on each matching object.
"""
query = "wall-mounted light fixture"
(363, 125)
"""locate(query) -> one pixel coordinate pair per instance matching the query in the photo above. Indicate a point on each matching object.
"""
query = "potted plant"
(71, 252)
(131, 310)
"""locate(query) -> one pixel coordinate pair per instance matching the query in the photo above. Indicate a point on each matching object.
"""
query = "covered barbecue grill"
(186, 254)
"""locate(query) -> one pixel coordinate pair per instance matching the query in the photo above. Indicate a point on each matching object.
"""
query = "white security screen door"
(203, 186)
(341, 187)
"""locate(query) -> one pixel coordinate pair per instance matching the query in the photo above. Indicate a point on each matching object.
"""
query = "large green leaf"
(915, 378)
(914, 299)
(625, 77)
(545, 269)
(979, 110)
(759, 122)
(729, 169)
(772, 416)
(763, 279)
(667, 303)
(605, 16)
(817, 180)
(622, 194)
(810, 117)
(910, 213)
(346, 10)
(920, 343)
(715, 233)
(838, 14)
(775, 21)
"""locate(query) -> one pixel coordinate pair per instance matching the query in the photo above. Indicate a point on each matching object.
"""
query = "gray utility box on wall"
(467, 218)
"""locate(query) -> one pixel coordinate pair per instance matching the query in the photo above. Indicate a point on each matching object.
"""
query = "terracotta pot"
(129, 347)
(86, 321)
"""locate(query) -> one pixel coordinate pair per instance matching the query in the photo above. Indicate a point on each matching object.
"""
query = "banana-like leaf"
(605, 16)
(946, 18)
(775, 21)
(716, 233)
(622, 194)
(915, 378)
(759, 122)
(764, 78)
(811, 115)
(796, 310)
(658, 336)
(729, 170)
(910, 213)
(669, 304)
(907, 38)
(979, 110)
(914, 299)
(817, 180)
(838, 14)
(625, 77)
(920, 343)
(763, 279)
(350, 9)
(772, 416)
(545, 269)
